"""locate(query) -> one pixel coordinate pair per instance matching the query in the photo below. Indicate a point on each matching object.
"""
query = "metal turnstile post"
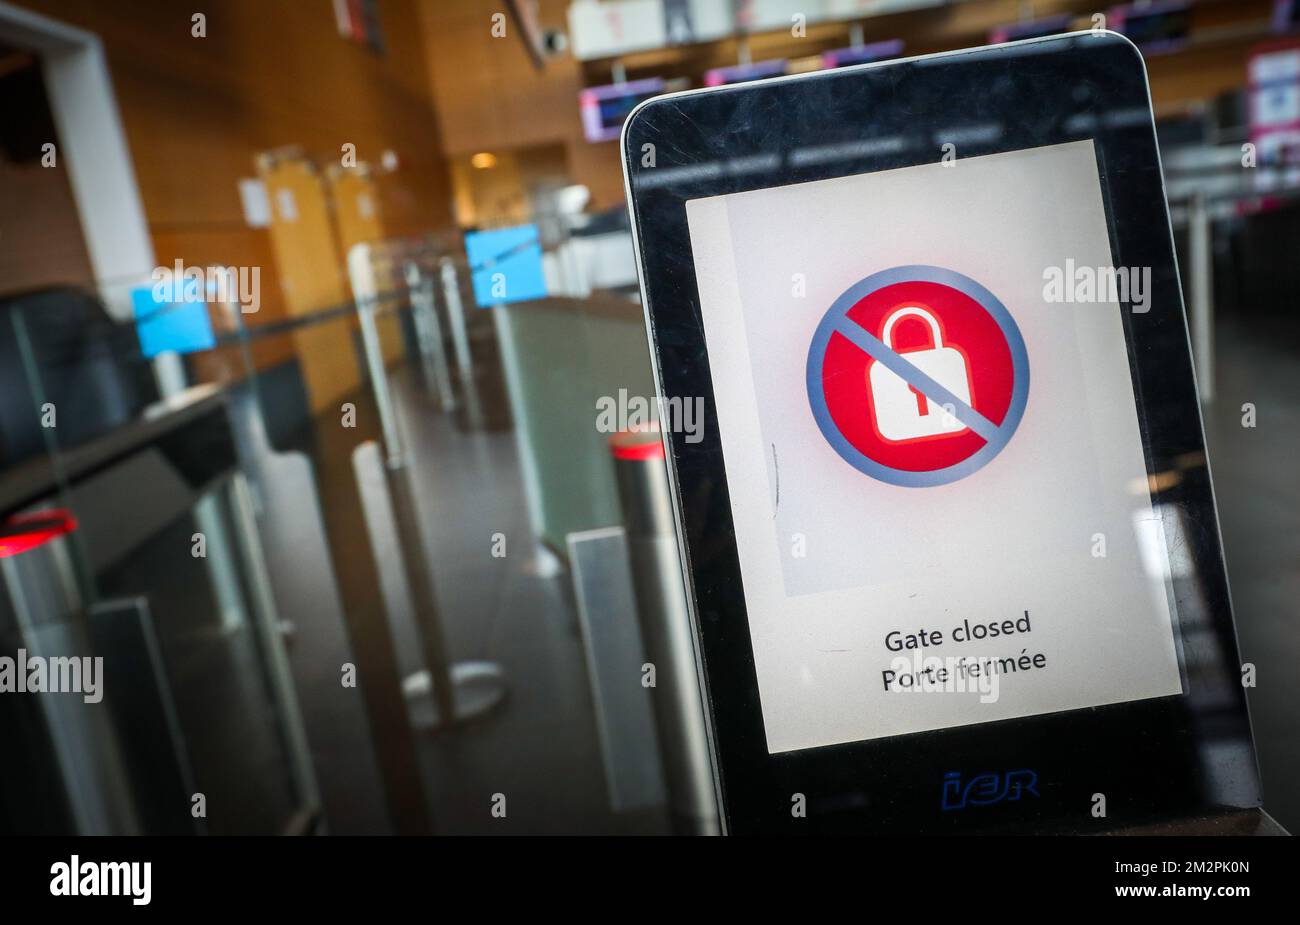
(666, 631)
(428, 333)
(445, 693)
(43, 615)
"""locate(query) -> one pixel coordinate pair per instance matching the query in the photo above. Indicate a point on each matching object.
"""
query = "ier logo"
(987, 789)
(917, 376)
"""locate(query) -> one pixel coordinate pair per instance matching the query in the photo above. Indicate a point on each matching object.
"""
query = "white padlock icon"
(902, 412)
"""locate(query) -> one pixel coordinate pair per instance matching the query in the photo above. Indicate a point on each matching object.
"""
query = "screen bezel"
(1150, 758)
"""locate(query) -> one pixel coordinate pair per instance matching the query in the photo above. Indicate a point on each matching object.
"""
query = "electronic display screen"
(933, 447)
(1031, 29)
(605, 108)
(862, 54)
(1286, 15)
(744, 73)
(1155, 27)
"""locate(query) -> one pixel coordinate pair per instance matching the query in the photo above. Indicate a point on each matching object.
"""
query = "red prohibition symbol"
(918, 376)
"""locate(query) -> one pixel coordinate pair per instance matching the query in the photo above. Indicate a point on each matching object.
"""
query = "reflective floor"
(540, 746)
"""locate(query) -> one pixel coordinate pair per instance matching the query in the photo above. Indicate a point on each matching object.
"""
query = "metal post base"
(543, 564)
(477, 687)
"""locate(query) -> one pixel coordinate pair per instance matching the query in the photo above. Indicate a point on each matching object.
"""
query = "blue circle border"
(1019, 363)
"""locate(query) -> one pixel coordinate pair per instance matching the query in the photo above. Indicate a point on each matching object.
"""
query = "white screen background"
(1017, 535)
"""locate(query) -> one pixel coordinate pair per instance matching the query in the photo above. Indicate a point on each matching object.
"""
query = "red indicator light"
(639, 443)
(27, 531)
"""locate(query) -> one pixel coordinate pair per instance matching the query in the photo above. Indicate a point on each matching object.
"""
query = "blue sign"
(178, 326)
(505, 265)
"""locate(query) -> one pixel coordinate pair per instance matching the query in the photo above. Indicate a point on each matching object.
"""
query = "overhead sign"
(505, 265)
(1275, 108)
(744, 73)
(862, 54)
(604, 109)
(180, 324)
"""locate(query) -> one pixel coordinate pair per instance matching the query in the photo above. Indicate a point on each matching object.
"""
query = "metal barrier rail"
(1197, 211)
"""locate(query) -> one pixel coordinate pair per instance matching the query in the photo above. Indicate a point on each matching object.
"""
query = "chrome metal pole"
(362, 276)
(462, 690)
(444, 692)
(428, 334)
(50, 622)
(460, 340)
(666, 631)
(456, 314)
(266, 623)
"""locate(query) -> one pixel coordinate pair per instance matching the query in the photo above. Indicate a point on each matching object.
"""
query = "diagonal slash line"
(914, 377)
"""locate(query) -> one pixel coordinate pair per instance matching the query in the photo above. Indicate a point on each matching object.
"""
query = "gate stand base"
(477, 687)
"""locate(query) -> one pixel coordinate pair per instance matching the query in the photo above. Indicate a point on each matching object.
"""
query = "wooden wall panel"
(485, 89)
(488, 96)
(41, 242)
(268, 74)
(358, 218)
(311, 280)
(40, 233)
(190, 246)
